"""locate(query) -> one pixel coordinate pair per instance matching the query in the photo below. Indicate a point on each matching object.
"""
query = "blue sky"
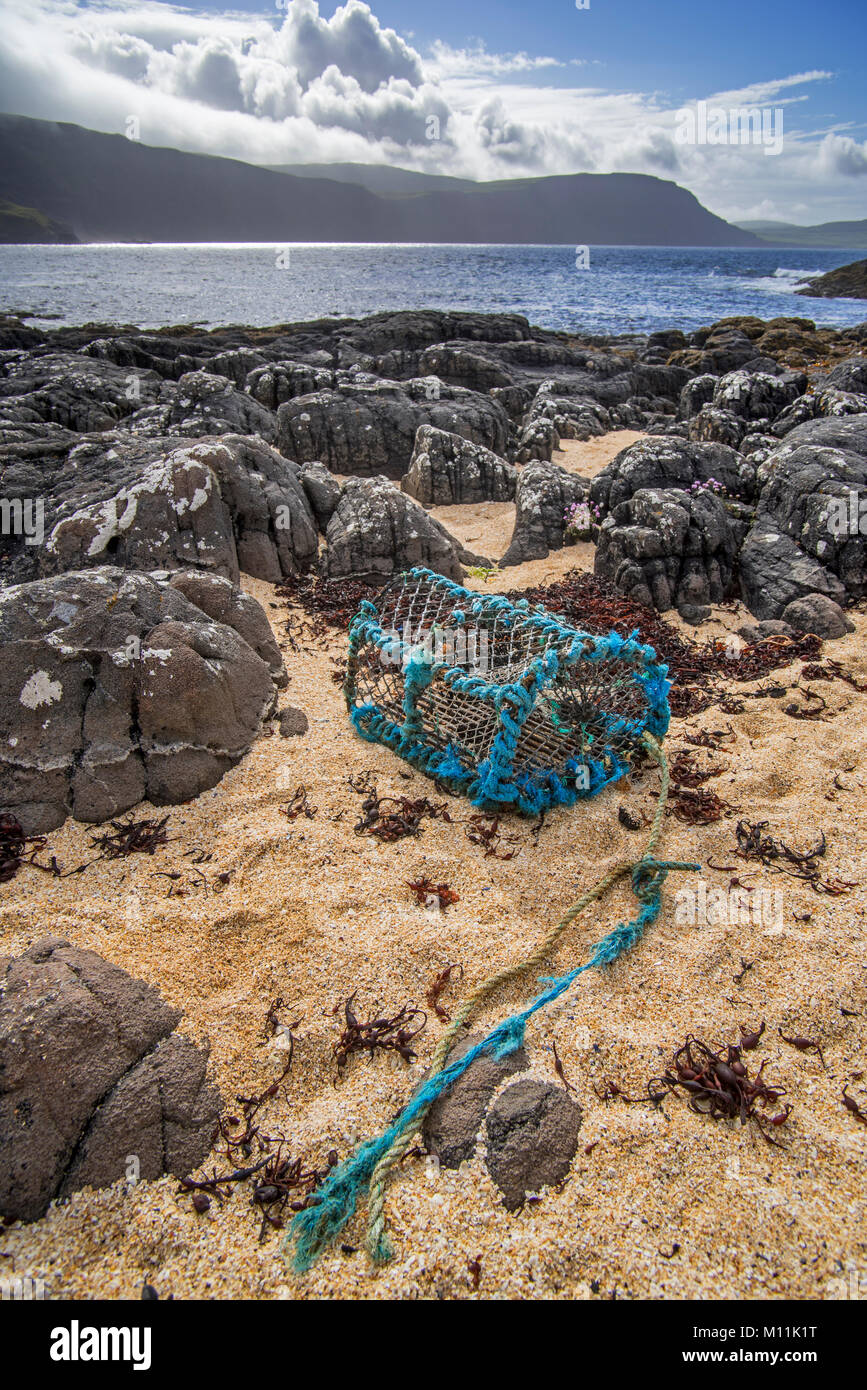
(488, 89)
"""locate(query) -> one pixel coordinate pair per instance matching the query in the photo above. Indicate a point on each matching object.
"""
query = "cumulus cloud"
(840, 154)
(298, 87)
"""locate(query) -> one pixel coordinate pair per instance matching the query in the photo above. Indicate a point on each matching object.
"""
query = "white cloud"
(840, 154)
(298, 87)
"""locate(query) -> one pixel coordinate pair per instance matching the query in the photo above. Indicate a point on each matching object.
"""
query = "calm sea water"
(625, 289)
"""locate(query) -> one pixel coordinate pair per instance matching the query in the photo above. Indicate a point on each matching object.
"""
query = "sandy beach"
(660, 1202)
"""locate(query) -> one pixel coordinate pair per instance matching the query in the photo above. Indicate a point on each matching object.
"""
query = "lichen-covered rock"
(366, 428)
(758, 395)
(544, 493)
(114, 687)
(668, 548)
(73, 390)
(446, 470)
(377, 530)
(696, 393)
(224, 505)
(667, 462)
(813, 489)
(849, 375)
(203, 403)
(718, 426)
(278, 382)
(92, 1074)
(532, 1137)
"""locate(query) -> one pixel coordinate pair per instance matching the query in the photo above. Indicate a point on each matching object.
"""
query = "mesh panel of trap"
(593, 709)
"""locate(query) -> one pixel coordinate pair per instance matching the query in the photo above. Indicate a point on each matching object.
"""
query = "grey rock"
(532, 1136)
(849, 375)
(771, 627)
(459, 365)
(377, 530)
(226, 604)
(774, 571)
(668, 548)
(278, 382)
(694, 614)
(819, 614)
(544, 492)
(446, 470)
(78, 392)
(90, 1072)
(115, 687)
(203, 403)
(717, 425)
(222, 505)
(668, 462)
(322, 491)
(453, 1122)
(364, 429)
(695, 394)
(758, 395)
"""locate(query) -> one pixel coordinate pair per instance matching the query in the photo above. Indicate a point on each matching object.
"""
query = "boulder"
(667, 462)
(771, 627)
(758, 395)
(695, 394)
(774, 571)
(115, 687)
(70, 389)
(849, 375)
(846, 282)
(813, 488)
(718, 426)
(202, 403)
(218, 504)
(367, 428)
(668, 548)
(92, 1074)
(447, 470)
(819, 614)
(277, 382)
(544, 494)
(377, 530)
(224, 603)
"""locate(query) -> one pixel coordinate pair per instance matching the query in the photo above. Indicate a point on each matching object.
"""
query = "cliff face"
(106, 187)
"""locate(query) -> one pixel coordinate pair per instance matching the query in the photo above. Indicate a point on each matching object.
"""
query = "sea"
(613, 290)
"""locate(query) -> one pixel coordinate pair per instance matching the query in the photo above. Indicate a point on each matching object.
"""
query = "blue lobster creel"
(499, 701)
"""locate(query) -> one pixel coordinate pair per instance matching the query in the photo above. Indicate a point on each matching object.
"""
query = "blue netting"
(499, 701)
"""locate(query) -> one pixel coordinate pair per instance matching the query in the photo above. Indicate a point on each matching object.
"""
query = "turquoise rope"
(318, 1226)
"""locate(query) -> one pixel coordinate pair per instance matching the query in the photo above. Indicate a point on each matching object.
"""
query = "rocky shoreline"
(160, 466)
